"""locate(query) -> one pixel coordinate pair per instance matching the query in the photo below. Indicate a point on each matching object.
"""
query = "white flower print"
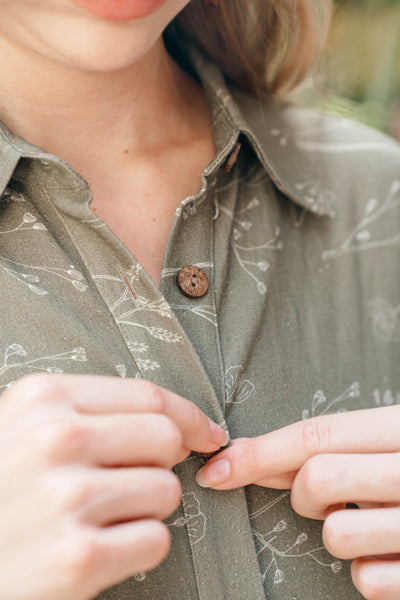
(195, 520)
(237, 389)
(145, 364)
(250, 258)
(11, 195)
(121, 370)
(28, 275)
(307, 138)
(313, 194)
(385, 320)
(130, 305)
(138, 347)
(16, 356)
(243, 255)
(321, 406)
(267, 543)
(142, 319)
(29, 221)
(204, 311)
(361, 237)
(386, 398)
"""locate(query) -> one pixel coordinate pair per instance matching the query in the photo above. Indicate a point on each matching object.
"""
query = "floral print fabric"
(301, 245)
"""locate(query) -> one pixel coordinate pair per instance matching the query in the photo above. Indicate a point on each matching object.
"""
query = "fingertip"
(218, 436)
(214, 473)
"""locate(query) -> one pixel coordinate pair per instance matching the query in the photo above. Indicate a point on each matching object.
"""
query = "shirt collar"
(9, 157)
(274, 133)
(266, 126)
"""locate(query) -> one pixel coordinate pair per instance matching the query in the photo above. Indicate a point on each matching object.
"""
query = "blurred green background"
(362, 63)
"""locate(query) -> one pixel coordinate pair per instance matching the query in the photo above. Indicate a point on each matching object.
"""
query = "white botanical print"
(128, 306)
(16, 357)
(145, 364)
(246, 257)
(28, 221)
(251, 258)
(278, 554)
(30, 275)
(385, 320)
(240, 217)
(121, 370)
(206, 312)
(138, 347)
(237, 389)
(361, 238)
(321, 406)
(305, 139)
(130, 311)
(194, 519)
(11, 195)
(386, 397)
(315, 195)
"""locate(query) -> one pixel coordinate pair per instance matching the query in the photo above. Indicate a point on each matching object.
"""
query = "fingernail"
(218, 436)
(214, 474)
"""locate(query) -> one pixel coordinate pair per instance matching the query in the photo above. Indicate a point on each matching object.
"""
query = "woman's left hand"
(328, 462)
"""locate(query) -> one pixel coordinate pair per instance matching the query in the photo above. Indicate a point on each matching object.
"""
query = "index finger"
(100, 395)
(285, 450)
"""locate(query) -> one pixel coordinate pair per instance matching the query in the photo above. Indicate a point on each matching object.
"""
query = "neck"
(75, 114)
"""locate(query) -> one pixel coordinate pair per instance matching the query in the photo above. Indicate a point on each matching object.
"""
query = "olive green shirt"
(301, 245)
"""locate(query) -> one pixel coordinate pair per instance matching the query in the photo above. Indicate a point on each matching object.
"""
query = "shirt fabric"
(301, 245)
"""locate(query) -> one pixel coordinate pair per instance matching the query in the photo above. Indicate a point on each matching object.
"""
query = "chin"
(99, 46)
(102, 58)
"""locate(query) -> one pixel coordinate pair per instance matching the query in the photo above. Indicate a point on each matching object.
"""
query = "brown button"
(192, 281)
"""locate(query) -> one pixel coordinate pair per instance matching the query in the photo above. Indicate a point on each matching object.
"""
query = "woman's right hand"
(85, 481)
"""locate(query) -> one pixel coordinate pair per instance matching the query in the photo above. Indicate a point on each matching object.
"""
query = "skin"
(327, 462)
(86, 481)
(107, 98)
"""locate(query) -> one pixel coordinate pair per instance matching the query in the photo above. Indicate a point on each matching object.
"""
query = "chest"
(139, 204)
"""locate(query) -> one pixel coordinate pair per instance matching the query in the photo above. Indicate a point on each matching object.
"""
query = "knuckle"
(172, 491)
(251, 454)
(59, 439)
(69, 492)
(335, 537)
(81, 555)
(38, 388)
(316, 435)
(155, 396)
(160, 541)
(368, 586)
(170, 436)
(196, 419)
(316, 478)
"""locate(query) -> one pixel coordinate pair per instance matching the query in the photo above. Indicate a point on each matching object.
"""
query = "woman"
(236, 271)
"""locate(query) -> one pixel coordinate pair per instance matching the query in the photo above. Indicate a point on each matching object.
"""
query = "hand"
(85, 480)
(327, 462)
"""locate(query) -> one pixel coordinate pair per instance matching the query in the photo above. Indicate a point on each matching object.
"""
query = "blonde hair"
(266, 47)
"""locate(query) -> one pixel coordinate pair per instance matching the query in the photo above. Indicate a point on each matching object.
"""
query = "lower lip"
(120, 10)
